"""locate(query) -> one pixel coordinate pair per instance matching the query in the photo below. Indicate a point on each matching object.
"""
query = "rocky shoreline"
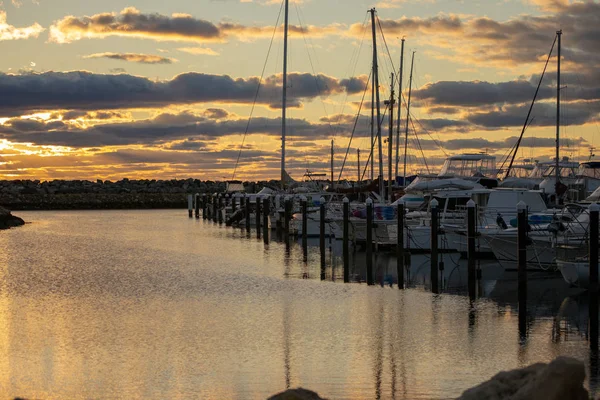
(88, 195)
(7, 220)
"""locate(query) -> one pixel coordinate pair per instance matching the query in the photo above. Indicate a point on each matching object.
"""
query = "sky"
(178, 89)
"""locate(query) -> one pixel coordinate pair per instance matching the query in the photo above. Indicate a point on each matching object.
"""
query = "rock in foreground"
(296, 394)
(7, 220)
(561, 379)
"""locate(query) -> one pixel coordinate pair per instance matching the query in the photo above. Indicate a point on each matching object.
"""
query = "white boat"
(545, 240)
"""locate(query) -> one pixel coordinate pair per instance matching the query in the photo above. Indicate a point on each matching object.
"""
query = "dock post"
(243, 207)
(304, 224)
(522, 265)
(370, 280)
(277, 213)
(197, 204)
(204, 206)
(248, 214)
(233, 203)
(215, 208)
(322, 212)
(471, 263)
(266, 213)
(221, 209)
(593, 251)
(400, 246)
(258, 217)
(287, 205)
(594, 211)
(190, 205)
(346, 241)
(434, 246)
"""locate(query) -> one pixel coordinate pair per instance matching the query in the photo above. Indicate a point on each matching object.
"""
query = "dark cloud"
(134, 57)
(544, 114)
(215, 113)
(480, 144)
(88, 91)
(95, 115)
(131, 22)
(478, 93)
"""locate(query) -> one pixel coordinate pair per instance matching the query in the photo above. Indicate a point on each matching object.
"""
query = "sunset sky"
(154, 89)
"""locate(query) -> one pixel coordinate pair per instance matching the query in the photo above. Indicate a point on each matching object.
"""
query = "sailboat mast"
(284, 99)
(376, 76)
(399, 106)
(557, 172)
(332, 163)
(391, 140)
(412, 63)
(358, 156)
(372, 125)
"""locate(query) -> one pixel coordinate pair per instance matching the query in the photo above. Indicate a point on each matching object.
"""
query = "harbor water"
(152, 304)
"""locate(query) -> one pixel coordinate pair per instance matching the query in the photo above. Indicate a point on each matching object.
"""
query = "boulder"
(561, 379)
(296, 394)
(7, 220)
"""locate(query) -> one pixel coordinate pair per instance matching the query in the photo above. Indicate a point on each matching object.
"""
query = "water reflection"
(150, 304)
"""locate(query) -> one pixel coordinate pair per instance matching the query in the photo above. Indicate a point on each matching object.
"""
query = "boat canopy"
(590, 169)
(520, 183)
(568, 169)
(467, 165)
(438, 184)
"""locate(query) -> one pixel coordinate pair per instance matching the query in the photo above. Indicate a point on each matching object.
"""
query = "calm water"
(151, 304)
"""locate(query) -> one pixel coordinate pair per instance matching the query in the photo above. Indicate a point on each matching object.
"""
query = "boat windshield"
(469, 165)
(589, 170)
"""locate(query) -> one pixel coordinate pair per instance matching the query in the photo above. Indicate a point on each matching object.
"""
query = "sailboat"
(553, 228)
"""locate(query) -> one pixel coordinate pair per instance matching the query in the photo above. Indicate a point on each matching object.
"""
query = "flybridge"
(469, 165)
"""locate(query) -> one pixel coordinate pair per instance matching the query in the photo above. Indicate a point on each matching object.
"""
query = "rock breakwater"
(82, 194)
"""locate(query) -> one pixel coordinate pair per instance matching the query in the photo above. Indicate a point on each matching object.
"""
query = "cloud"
(80, 90)
(9, 32)
(131, 22)
(86, 115)
(198, 51)
(477, 93)
(163, 128)
(133, 57)
(544, 114)
(509, 142)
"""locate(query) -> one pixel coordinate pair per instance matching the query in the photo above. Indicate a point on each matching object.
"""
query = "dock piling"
(220, 209)
(197, 204)
(322, 231)
(247, 203)
(594, 210)
(204, 206)
(522, 265)
(471, 263)
(593, 250)
(215, 207)
(190, 205)
(434, 246)
(266, 213)
(370, 280)
(400, 246)
(345, 241)
(258, 219)
(287, 205)
(304, 224)
(322, 212)
(233, 204)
